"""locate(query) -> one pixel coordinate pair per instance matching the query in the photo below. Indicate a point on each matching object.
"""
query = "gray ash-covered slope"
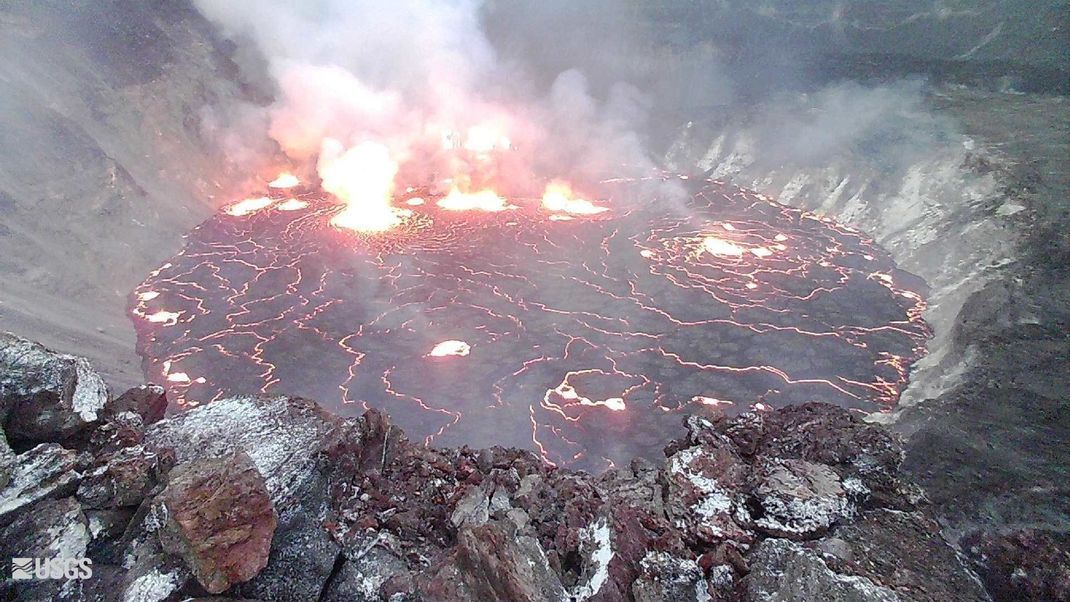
(977, 208)
(272, 498)
(103, 161)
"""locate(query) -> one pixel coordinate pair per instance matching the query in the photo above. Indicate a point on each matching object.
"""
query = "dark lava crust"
(586, 337)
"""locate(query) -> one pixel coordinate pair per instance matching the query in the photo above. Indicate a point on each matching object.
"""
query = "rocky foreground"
(273, 498)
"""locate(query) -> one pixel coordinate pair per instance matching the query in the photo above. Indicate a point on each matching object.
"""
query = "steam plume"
(412, 91)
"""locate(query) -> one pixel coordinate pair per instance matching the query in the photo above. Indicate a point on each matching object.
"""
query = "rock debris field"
(274, 498)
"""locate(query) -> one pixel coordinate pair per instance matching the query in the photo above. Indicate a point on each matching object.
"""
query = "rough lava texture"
(783, 570)
(1028, 564)
(281, 435)
(44, 472)
(49, 396)
(219, 519)
(147, 401)
(54, 529)
(273, 498)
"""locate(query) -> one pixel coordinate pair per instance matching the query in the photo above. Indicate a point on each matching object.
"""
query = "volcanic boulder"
(669, 578)
(282, 435)
(303, 552)
(495, 561)
(798, 499)
(783, 570)
(219, 519)
(829, 435)
(147, 401)
(704, 484)
(46, 396)
(46, 471)
(124, 480)
(115, 433)
(53, 529)
(371, 575)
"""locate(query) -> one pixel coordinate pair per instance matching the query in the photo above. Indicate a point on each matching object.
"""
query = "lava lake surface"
(583, 337)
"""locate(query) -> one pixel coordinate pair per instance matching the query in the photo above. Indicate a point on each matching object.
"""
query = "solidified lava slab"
(584, 338)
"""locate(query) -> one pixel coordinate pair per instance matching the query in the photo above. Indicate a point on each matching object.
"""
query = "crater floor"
(583, 337)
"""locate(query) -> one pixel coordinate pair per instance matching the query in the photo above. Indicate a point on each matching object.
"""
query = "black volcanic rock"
(46, 471)
(906, 552)
(785, 570)
(115, 433)
(282, 435)
(147, 401)
(303, 551)
(46, 396)
(704, 484)
(124, 480)
(668, 578)
(826, 434)
(54, 529)
(798, 499)
(374, 574)
(1029, 565)
(7, 460)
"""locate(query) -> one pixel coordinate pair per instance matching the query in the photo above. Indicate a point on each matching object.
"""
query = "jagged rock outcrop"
(54, 529)
(281, 435)
(147, 401)
(125, 479)
(797, 499)
(46, 471)
(272, 498)
(46, 396)
(782, 571)
(495, 561)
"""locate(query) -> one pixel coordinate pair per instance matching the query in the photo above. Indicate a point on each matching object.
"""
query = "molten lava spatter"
(451, 347)
(585, 339)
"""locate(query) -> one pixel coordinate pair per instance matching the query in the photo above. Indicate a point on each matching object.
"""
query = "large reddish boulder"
(219, 519)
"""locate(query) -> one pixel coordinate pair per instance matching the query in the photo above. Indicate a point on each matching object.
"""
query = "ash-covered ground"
(582, 337)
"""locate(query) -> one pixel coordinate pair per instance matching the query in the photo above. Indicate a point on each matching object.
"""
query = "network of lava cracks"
(584, 338)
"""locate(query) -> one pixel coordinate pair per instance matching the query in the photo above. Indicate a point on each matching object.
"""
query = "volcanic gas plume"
(581, 326)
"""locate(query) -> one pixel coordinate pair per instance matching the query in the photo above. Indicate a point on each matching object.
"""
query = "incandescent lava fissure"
(581, 331)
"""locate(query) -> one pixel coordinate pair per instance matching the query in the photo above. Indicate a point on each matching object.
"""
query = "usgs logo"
(24, 569)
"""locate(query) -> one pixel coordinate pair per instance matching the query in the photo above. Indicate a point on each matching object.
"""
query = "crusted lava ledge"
(274, 498)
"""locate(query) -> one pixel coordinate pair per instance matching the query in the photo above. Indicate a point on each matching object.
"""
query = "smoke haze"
(415, 88)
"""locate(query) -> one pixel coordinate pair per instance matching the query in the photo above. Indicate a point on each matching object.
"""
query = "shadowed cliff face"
(103, 165)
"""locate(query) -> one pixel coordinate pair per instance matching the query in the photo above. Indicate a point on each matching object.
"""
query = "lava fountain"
(580, 329)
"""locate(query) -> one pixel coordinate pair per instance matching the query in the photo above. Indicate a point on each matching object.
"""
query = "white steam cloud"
(412, 93)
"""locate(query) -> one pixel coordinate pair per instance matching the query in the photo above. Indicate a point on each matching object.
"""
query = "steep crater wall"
(965, 188)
